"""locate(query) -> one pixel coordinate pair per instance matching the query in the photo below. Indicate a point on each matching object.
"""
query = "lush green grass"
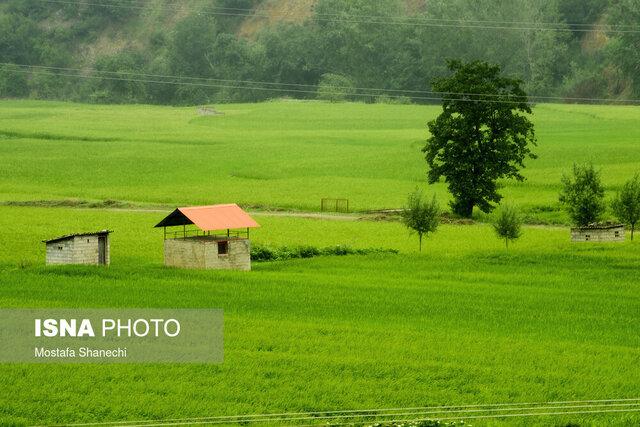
(465, 322)
(135, 241)
(285, 154)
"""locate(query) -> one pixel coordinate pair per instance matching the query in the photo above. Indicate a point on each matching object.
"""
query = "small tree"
(421, 215)
(583, 195)
(508, 225)
(626, 204)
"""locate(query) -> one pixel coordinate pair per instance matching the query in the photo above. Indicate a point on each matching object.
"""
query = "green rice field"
(464, 322)
(284, 154)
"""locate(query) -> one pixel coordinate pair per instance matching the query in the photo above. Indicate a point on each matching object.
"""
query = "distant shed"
(79, 248)
(208, 237)
(598, 233)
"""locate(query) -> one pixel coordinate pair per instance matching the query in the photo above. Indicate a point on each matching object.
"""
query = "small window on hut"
(617, 233)
(587, 237)
(59, 248)
(223, 248)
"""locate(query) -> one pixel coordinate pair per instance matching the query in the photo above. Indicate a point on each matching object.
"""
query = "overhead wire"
(385, 20)
(361, 92)
(461, 412)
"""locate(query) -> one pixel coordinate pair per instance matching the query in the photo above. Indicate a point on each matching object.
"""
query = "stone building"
(598, 233)
(79, 248)
(208, 237)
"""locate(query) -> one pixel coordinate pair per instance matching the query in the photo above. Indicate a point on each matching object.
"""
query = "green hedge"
(267, 253)
(423, 423)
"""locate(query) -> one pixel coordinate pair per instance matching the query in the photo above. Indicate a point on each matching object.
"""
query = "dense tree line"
(341, 48)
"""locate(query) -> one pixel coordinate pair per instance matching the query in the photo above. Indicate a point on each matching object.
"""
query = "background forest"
(202, 51)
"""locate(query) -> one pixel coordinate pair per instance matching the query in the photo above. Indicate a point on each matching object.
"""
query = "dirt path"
(315, 215)
(160, 209)
(291, 214)
(386, 215)
(361, 216)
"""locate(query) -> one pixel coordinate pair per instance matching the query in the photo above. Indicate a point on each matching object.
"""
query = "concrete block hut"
(208, 237)
(79, 248)
(598, 233)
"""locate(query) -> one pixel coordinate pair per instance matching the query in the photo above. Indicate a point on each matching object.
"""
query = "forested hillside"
(201, 51)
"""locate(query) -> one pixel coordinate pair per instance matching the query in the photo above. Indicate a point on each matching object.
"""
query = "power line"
(475, 97)
(425, 19)
(219, 86)
(388, 412)
(255, 88)
(380, 20)
(399, 92)
(252, 12)
(310, 86)
(291, 87)
(338, 421)
(313, 88)
(415, 420)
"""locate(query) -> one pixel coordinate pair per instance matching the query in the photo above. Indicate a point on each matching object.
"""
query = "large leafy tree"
(119, 89)
(352, 42)
(289, 56)
(191, 46)
(482, 135)
(538, 57)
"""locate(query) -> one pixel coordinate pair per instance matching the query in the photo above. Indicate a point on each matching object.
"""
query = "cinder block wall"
(60, 252)
(85, 250)
(184, 253)
(598, 234)
(202, 252)
(77, 250)
(237, 258)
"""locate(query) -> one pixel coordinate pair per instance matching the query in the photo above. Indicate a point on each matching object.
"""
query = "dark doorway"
(102, 250)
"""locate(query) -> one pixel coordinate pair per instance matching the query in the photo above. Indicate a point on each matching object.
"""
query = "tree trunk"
(470, 206)
(420, 239)
(464, 208)
(506, 243)
(633, 226)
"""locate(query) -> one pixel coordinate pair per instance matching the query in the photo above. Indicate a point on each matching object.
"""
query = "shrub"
(335, 88)
(339, 250)
(13, 84)
(393, 100)
(423, 423)
(117, 88)
(262, 253)
(266, 253)
(308, 251)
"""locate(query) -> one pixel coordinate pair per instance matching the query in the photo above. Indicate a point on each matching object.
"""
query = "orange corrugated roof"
(218, 217)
